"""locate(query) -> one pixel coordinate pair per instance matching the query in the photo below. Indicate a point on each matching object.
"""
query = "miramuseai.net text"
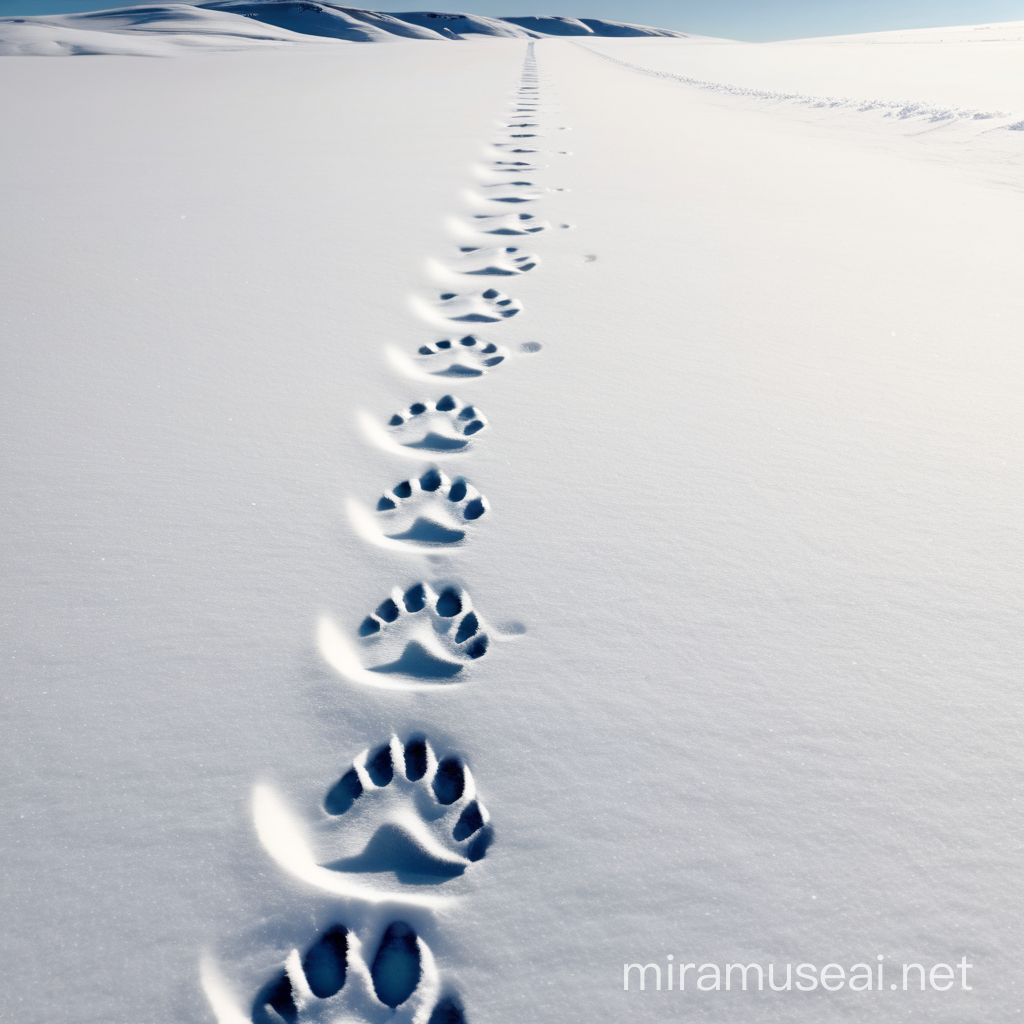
(863, 977)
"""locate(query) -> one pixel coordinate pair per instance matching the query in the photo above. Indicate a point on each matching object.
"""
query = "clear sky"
(756, 20)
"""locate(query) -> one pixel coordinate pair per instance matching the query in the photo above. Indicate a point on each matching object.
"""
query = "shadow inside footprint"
(457, 370)
(420, 663)
(447, 1012)
(392, 849)
(438, 443)
(396, 967)
(325, 965)
(428, 532)
(278, 996)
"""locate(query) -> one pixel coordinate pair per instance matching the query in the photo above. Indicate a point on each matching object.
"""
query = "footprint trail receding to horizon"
(400, 834)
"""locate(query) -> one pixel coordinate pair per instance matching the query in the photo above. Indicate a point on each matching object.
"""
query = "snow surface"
(748, 560)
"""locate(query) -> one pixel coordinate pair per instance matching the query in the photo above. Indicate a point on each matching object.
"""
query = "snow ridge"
(406, 812)
(167, 29)
(899, 111)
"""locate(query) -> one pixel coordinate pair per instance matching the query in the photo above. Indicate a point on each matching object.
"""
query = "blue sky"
(762, 19)
(756, 20)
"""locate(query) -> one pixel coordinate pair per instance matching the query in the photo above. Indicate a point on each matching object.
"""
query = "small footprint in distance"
(422, 815)
(513, 166)
(464, 357)
(492, 261)
(444, 428)
(432, 509)
(423, 634)
(520, 191)
(490, 306)
(508, 224)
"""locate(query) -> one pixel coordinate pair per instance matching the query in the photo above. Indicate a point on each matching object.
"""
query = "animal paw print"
(512, 166)
(487, 307)
(520, 195)
(433, 635)
(470, 356)
(431, 510)
(331, 981)
(442, 426)
(424, 820)
(510, 147)
(506, 261)
(509, 224)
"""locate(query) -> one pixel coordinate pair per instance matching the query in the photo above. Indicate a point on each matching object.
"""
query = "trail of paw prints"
(332, 981)
(422, 514)
(445, 427)
(414, 639)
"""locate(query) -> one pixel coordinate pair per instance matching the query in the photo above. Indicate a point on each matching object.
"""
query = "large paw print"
(433, 509)
(332, 981)
(414, 640)
(402, 811)
(446, 425)
(427, 635)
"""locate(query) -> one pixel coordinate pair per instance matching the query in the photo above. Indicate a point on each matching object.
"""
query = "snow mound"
(163, 30)
(152, 30)
(556, 26)
(994, 32)
(317, 19)
(458, 26)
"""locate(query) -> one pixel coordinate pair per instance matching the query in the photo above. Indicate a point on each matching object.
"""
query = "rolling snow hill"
(173, 28)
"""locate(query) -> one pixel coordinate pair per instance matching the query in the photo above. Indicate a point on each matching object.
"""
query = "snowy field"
(673, 609)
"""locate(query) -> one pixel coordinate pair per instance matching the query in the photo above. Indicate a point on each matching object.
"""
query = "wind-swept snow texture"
(165, 30)
(705, 643)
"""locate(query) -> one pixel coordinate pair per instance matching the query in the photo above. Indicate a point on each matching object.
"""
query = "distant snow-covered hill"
(166, 29)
